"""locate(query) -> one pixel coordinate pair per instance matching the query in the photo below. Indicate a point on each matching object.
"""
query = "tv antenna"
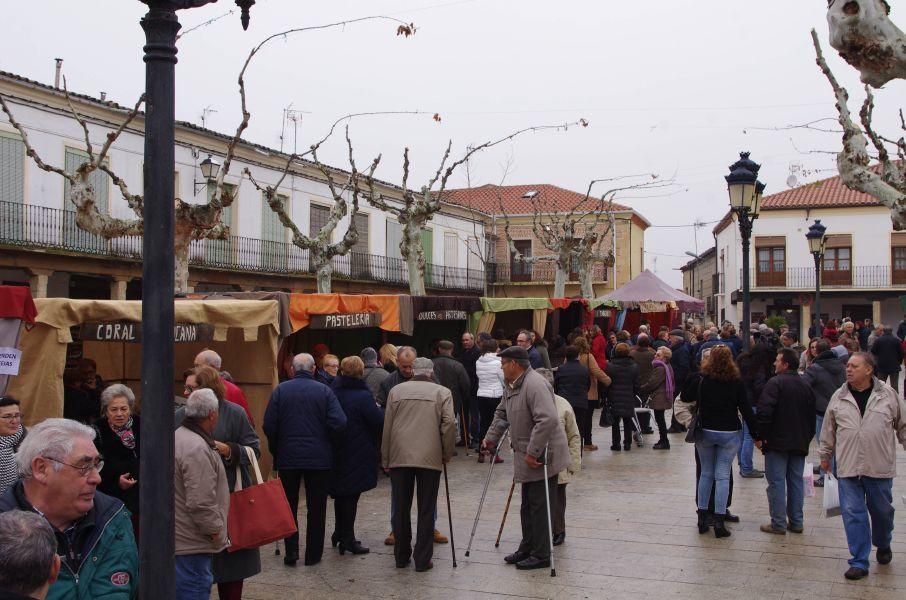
(291, 114)
(795, 170)
(205, 112)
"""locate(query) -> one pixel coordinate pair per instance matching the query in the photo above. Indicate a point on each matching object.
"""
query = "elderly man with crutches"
(540, 452)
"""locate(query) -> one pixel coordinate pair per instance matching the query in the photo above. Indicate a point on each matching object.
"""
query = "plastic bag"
(808, 480)
(831, 496)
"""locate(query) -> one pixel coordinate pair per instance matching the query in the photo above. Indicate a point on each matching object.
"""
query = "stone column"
(118, 288)
(876, 312)
(37, 279)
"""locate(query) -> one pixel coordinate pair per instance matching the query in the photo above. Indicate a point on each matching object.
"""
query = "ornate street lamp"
(816, 239)
(209, 168)
(156, 549)
(745, 198)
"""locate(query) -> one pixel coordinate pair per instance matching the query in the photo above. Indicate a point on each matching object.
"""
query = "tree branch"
(867, 39)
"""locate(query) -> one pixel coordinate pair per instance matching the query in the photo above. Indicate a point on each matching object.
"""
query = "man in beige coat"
(419, 437)
(528, 409)
(202, 497)
(862, 423)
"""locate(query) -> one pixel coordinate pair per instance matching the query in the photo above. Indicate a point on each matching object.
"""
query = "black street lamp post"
(156, 524)
(816, 240)
(745, 196)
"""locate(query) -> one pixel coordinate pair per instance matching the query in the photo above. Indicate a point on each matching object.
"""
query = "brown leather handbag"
(260, 513)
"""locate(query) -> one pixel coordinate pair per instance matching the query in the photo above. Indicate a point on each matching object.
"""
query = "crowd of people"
(333, 425)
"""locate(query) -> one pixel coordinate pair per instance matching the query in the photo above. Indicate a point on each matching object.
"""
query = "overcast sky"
(672, 87)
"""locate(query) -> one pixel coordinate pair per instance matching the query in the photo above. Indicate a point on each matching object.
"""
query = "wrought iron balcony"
(42, 228)
(803, 278)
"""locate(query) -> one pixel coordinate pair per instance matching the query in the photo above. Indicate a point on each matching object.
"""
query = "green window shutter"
(12, 169)
(361, 224)
(394, 237)
(272, 229)
(99, 180)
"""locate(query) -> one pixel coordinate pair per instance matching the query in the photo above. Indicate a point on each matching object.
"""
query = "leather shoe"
(390, 540)
(590, 447)
(793, 528)
(533, 562)
(290, 560)
(402, 564)
(769, 528)
(516, 557)
(753, 474)
(616, 448)
(424, 568)
(730, 517)
(884, 556)
(854, 573)
(558, 539)
(440, 538)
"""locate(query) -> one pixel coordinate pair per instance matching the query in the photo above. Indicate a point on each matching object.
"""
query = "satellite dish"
(791, 181)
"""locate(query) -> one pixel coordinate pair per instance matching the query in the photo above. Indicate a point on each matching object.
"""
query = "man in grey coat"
(528, 409)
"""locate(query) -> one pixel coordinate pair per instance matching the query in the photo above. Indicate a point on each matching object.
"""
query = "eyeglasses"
(83, 470)
(12, 417)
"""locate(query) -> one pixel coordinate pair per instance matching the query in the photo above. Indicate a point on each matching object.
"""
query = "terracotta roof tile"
(489, 198)
(826, 193)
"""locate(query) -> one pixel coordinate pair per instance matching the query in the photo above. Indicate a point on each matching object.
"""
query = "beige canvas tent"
(244, 332)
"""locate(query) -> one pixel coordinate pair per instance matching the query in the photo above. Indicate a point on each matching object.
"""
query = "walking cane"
(449, 515)
(506, 509)
(483, 494)
(465, 429)
(547, 504)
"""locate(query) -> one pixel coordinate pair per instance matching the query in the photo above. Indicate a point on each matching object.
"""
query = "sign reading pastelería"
(345, 321)
(131, 332)
(443, 315)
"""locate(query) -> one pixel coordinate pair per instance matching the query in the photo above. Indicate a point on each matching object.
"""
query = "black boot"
(702, 521)
(720, 530)
(663, 444)
(355, 547)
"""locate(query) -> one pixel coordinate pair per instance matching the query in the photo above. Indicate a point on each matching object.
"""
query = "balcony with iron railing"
(863, 277)
(540, 272)
(38, 227)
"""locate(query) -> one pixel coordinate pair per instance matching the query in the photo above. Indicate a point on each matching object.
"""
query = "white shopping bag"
(808, 480)
(831, 497)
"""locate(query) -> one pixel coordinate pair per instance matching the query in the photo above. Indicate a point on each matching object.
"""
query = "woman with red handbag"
(233, 431)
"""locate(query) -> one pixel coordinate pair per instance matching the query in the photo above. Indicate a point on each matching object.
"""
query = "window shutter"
(394, 238)
(362, 246)
(840, 240)
(12, 169)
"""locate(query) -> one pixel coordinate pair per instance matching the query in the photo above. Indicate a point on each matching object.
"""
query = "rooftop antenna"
(205, 112)
(795, 169)
(290, 114)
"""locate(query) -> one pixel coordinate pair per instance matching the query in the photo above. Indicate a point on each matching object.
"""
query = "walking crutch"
(506, 509)
(449, 515)
(547, 504)
(484, 493)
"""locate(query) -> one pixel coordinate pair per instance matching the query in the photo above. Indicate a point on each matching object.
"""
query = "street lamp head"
(756, 205)
(210, 168)
(816, 237)
(245, 5)
(741, 183)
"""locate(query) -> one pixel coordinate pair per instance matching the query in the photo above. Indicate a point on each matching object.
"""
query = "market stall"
(511, 314)
(243, 332)
(434, 318)
(649, 298)
(16, 308)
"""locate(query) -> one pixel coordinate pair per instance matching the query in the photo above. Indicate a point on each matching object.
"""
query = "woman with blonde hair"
(660, 389)
(721, 397)
(387, 354)
(597, 375)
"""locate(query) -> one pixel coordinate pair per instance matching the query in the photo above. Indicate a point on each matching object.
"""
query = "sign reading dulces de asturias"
(345, 321)
(131, 332)
(443, 315)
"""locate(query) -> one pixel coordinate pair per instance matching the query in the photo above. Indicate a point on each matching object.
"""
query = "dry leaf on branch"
(406, 30)
(436, 117)
(583, 122)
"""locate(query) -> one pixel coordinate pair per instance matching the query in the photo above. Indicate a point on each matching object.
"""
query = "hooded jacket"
(490, 376)
(825, 376)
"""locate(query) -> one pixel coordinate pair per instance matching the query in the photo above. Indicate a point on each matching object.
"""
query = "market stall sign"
(346, 321)
(131, 332)
(443, 315)
(602, 313)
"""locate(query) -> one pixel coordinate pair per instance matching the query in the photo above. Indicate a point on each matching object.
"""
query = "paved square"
(630, 534)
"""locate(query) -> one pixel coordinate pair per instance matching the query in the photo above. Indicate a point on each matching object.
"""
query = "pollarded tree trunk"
(585, 280)
(323, 270)
(181, 243)
(414, 255)
(560, 277)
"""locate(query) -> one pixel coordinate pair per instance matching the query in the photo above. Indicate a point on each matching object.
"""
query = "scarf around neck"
(125, 434)
(668, 378)
(194, 425)
(9, 472)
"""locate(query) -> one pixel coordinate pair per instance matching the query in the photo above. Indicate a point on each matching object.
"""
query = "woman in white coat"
(490, 388)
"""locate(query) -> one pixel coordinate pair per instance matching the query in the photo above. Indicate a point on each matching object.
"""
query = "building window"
(837, 267)
(771, 267)
(394, 239)
(222, 252)
(273, 236)
(362, 245)
(899, 265)
(520, 271)
(12, 187)
(73, 236)
(320, 215)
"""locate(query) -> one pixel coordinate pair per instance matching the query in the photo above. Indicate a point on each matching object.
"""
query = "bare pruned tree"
(192, 221)
(417, 208)
(577, 236)
(866, 38)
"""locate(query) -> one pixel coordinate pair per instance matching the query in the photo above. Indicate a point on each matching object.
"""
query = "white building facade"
(863, 272)
(36, 215)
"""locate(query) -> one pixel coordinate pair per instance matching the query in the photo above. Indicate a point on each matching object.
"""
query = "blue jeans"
(786, 491)
(746, 450)
(861, 497)
(716, 450)
(193, 577)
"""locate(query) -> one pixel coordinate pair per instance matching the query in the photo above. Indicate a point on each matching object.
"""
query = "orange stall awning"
(303, 306)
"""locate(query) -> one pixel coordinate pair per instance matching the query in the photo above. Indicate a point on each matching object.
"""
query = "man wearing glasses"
(60, 469)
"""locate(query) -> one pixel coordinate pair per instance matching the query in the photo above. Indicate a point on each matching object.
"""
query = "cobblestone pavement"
(631, 533)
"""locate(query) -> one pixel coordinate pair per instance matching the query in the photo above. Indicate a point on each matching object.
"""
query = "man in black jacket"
(469, 358)
(451, 374)
(681, 361)
(825, 376)
(786, 421)
(572, 381)
(888, 352)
